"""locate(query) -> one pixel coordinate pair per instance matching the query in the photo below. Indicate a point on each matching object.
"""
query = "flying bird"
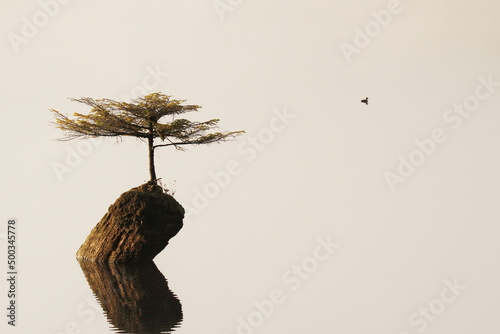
(365, 101)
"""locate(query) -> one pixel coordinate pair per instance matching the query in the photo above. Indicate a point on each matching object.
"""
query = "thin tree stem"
(151, 149)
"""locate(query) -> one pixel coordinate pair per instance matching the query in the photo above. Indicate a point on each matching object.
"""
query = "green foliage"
(141, 119)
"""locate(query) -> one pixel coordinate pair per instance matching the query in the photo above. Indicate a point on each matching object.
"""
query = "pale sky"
(313, 163)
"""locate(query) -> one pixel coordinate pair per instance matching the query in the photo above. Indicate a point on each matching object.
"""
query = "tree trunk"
(152, 172)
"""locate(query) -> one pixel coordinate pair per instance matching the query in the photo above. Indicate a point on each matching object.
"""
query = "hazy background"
(321, 175)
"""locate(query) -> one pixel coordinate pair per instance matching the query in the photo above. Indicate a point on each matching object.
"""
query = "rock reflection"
(134, 297)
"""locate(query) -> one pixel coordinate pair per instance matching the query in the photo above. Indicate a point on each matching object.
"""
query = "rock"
(136, 227)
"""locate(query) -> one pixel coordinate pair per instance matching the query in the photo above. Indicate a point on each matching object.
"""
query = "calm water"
(268, 276)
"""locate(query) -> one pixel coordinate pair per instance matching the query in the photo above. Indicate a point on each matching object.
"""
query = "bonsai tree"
(141, 119)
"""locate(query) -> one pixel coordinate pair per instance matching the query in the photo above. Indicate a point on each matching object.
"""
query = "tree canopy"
(141, 119)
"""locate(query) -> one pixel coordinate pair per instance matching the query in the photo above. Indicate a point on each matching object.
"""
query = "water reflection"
(135, 298)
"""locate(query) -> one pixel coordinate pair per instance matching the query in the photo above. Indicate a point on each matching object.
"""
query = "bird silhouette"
(365, 101)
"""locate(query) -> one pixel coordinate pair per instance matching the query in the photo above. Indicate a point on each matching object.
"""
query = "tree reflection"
(134, 297)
